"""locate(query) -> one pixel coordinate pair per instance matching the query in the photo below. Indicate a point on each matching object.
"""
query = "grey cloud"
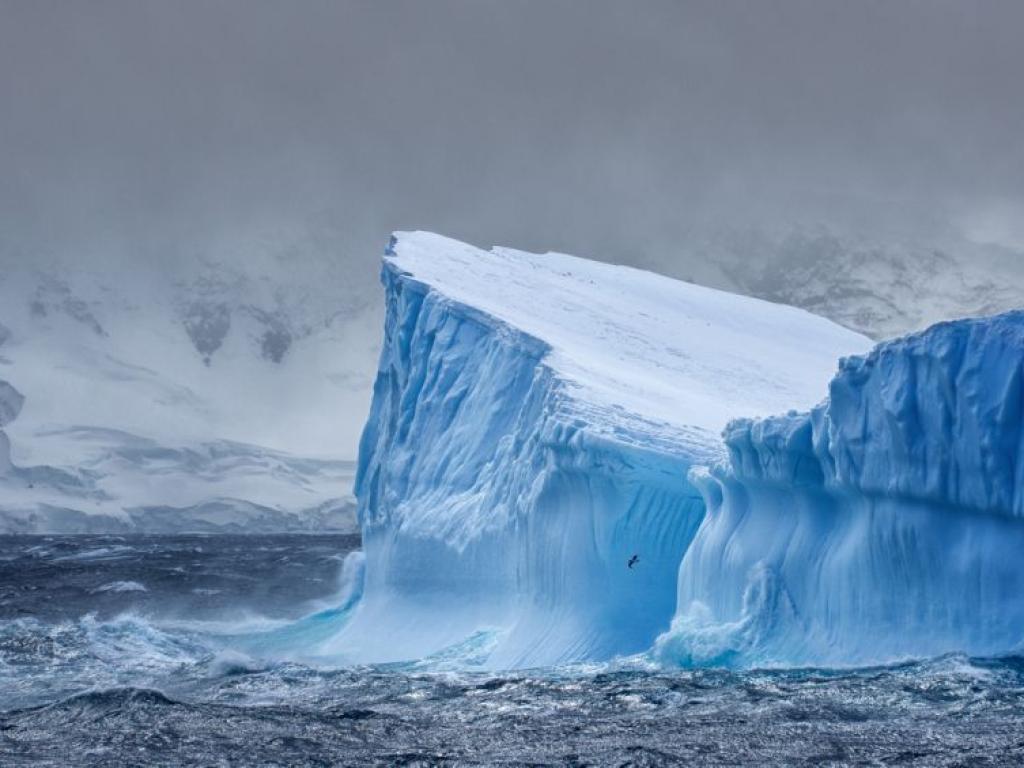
(137, 129)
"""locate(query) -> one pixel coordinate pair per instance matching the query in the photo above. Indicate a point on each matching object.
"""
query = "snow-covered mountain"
(227, 392)
(270, 347)
(882, 287)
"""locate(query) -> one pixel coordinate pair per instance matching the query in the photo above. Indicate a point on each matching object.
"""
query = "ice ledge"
(937, 416)
(886, 523)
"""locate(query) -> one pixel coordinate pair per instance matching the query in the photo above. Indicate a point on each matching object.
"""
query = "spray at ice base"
(886, 522)
(533, 421)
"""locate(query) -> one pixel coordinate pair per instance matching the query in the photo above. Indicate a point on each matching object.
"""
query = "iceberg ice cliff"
(533, 421)
(886, 522)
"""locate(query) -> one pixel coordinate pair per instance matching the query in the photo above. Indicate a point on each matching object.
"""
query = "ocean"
(186, 650)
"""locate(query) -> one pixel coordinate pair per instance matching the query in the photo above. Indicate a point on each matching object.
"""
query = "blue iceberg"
(887, 522)
(523, 477)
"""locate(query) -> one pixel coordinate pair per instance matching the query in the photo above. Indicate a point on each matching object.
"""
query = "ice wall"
(533, 422)
(886, 522)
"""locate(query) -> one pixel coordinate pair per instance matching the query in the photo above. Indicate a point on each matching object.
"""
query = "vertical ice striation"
(886, 522)
(533, 421)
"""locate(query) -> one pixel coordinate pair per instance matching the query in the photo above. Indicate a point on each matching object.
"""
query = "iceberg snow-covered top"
(636, 345)
(934, 417)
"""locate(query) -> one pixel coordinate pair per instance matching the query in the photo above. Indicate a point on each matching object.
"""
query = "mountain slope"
(880, 287)
(272, 344)
(214, 384)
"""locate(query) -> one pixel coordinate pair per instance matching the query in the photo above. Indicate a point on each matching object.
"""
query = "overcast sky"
(138, 129)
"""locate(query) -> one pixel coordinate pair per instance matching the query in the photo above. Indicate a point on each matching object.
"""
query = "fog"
(138, 131)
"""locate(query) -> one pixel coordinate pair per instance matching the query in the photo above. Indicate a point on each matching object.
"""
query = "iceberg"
(522, 482)
(885, 523)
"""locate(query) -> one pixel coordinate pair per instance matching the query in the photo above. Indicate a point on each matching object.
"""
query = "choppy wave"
(254, 688)
(122, 586)
(192, 705)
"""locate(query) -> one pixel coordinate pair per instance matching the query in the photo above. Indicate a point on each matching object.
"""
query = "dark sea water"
(146, 650)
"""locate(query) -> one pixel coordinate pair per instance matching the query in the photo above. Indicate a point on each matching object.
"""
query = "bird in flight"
(633, 561)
